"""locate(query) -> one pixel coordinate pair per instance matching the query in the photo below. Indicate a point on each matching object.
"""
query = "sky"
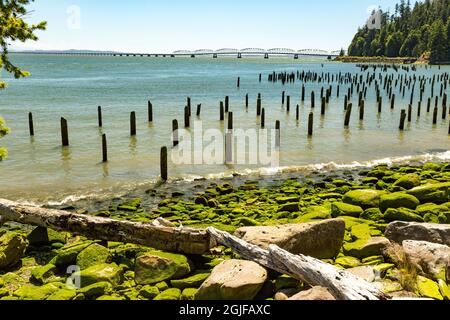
(163, 26)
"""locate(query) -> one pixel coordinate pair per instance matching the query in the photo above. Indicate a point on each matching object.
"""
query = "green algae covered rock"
(156, 266)
(398, 200)
(348, 262)
(290, 207)
(92, 255)
(188, 294)
(431, 208)
(373, 214)
(402, 214)
(365, 198)
(67, 255)
(363, 248)
(12, 248)
(437, 193)
(408, 181)
(31, 292)
(444, 289)
(42, 273)
(172, 294)
(428, 288)
(104, 272)
(194, 281)
(149, 292)
(110, 298)
(344, 209)
(96, 289)
(63, 294)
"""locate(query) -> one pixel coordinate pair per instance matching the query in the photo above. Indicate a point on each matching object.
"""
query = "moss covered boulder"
(31, 292)
(398, 200)
(63, 294)
(92, 255)
(437, 193)
(149, 292)
(12, 248)
(402, 214)
(363, 248)
(42, 273)
(171, 294)
(194, 281)
(428, 288)
(67, 255)
(96, 289)
(365, 198)
(373, 214)
(156, 266)
(104, 272)
(408, 181)
(344, 209)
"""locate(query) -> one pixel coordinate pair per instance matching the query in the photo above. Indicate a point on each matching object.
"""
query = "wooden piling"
(313, 102)
(409, 113)
(393, 101)
(435, 115)
(150, 112)
(277, 134)
(310, 124)
(297, 113)
(64, 133)
(99, 115)
(133, 123)
(402, 119)
(227, 104)
(348, 114)
(222, 112)
(175, 137)
(199, 110)
(239, 82)
(288, 103)
(361, 110)
(258, 107)
(246, 100)
(163, 164)
(380, 104)
(104, 148)
(31, 124)
(230, 121)
(322, 109)
(186, 117)
(303, 93)
(263, 118)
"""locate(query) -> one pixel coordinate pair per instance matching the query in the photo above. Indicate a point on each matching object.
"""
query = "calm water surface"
(39, 169)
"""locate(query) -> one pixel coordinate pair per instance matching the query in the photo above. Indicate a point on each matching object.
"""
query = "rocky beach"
(389, 226)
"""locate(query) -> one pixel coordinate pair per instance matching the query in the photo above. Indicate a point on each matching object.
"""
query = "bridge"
(239, 53)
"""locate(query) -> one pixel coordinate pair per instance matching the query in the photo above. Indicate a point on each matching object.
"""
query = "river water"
(38, 169)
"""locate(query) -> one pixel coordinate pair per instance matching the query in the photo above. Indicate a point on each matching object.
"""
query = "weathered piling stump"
(348, 114)
(435, 115)
(31, 124)
(258, 107)
(133, 123)
(288, 103)
(246, 100)
(150, 112)
(361, 110)
(99, 116)
(222, 111)
(227, 104)
(263, 118)
(409, 113)
(186, 117)
(313, 102)
(163, 164)
(322, 108)
(297, 113)
(104, 148)
(64, 133)
(239, 82)
(175, 138)
(402, 119)
(199, 110)
(277, 134)
(310, 124)
(303, 93)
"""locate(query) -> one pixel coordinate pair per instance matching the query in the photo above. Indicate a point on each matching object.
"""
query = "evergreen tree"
(408, 32)
(13, 28)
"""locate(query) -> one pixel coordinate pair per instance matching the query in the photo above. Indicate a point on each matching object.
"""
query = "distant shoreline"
(396, 60)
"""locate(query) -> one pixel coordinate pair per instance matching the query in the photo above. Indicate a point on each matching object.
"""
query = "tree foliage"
(410, 31)
(14, 28)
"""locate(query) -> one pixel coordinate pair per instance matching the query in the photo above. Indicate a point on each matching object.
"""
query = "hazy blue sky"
(164, 26)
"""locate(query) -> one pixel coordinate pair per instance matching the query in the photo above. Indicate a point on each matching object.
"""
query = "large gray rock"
(431, 258)
(321, 240)
(315, 293)
(233, 280)
(436, 233)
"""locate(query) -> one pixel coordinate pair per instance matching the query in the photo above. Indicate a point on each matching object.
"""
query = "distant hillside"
(419, 31)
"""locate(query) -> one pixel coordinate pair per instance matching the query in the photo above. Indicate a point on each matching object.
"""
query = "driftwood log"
(158, 235)
(343, 285)
(161, 234)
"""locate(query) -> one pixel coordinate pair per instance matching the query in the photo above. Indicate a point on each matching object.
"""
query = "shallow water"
(39, 169)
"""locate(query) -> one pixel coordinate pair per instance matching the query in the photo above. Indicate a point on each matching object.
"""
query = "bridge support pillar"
(266, 56)
(239, 55)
